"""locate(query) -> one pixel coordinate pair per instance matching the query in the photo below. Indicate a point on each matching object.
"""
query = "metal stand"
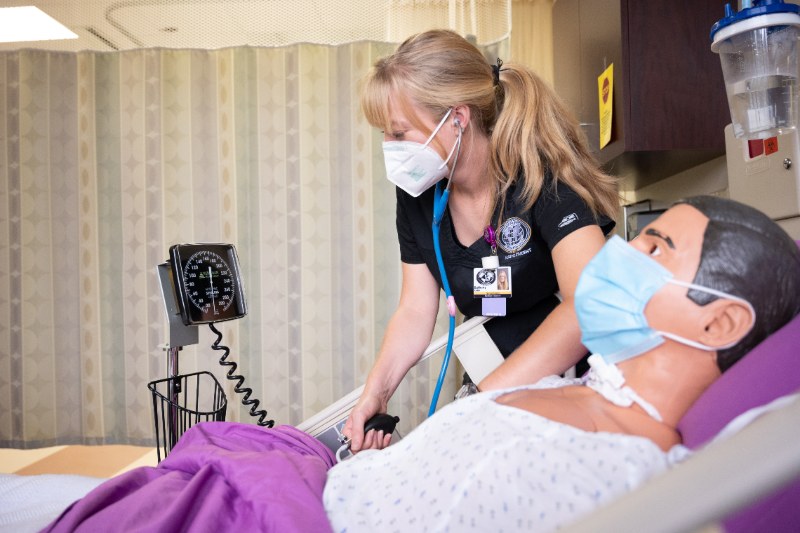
(182, 400)
(180, 335)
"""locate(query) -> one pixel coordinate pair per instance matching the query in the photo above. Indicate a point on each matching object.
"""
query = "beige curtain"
(532, 35)
(106, 159)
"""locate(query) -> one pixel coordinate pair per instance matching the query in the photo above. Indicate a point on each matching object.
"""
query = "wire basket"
(180, 402)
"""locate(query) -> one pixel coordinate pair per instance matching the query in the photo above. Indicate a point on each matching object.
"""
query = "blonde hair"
(531, 130)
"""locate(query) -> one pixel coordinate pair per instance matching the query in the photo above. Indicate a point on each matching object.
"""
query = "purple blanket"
(221, 476)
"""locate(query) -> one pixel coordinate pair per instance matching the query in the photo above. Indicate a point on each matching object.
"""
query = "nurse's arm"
(407, 336)
(555, 345)
(409, 331)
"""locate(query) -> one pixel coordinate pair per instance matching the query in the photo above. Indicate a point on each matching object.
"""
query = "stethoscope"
(440, 197)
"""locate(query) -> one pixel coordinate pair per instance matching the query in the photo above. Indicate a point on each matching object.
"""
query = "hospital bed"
(747, 482)
(472, 346)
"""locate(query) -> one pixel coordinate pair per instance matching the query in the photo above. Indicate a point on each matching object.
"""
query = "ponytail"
(534, 133)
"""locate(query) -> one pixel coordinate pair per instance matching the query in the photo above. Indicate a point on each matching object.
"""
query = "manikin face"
(675, 240)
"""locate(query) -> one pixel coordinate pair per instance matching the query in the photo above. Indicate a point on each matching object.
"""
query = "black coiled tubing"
(239, 379)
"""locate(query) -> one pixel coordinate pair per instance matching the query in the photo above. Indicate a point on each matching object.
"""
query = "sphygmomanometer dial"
(208, 283)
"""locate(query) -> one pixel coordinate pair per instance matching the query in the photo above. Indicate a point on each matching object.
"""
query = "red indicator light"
(755, 147)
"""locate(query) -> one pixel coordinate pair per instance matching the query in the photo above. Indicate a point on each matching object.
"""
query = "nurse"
(525, 192)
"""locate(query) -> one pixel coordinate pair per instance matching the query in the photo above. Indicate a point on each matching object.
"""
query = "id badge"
(493, 307)
(493, 284)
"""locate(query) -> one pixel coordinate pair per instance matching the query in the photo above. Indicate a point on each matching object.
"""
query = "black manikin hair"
(747, 255)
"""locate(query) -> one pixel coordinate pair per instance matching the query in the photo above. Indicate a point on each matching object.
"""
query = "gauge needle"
(211, 284)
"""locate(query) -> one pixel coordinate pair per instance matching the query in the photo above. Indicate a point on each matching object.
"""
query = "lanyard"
(490, 237)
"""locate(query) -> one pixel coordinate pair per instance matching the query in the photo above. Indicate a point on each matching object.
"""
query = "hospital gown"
(482, 466)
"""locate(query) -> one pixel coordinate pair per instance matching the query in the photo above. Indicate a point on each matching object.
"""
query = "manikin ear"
(726, 322)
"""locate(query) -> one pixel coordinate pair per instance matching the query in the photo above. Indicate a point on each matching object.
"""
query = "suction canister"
(758, 50)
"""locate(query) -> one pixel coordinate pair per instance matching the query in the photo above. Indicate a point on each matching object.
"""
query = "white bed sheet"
(29, 503)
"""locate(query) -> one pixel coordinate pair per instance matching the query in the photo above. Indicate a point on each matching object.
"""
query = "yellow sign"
(605, 89)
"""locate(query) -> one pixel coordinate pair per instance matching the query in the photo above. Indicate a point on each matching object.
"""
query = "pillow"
(770, 370)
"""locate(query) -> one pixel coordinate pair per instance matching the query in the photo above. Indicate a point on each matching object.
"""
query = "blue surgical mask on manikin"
(415, 167)
(611, 297)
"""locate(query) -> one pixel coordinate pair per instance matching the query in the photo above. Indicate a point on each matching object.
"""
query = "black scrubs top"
(525, 241)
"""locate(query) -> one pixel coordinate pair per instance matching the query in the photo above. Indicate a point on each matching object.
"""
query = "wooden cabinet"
(669, 107)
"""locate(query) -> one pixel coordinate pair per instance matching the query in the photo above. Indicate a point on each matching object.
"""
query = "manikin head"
(748, 255)
(710, 273)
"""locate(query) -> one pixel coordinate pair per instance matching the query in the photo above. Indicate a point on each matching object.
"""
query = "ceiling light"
(29, 23)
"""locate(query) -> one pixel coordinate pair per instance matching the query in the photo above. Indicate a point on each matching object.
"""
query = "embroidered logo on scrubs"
(514, 234)
(567, 220)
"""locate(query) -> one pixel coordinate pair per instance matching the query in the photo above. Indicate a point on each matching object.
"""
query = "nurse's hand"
(366, 407)
(376, 440)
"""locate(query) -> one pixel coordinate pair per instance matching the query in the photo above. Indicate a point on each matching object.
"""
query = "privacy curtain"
(107, 159)
(531, 40)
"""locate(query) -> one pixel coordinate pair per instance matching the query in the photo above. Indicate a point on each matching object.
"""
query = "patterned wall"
(106, 159)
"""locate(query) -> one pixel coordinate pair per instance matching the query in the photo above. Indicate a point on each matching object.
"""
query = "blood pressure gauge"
(207, 282)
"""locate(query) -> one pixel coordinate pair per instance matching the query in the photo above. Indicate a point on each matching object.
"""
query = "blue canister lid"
(758, 8)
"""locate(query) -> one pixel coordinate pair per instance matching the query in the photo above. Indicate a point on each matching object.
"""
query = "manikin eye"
(655, 250)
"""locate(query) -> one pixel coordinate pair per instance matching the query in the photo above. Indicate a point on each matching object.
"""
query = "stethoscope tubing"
(440, 203)
(440, 198)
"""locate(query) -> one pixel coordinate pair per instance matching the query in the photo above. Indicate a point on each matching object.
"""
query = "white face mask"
(416, 167)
